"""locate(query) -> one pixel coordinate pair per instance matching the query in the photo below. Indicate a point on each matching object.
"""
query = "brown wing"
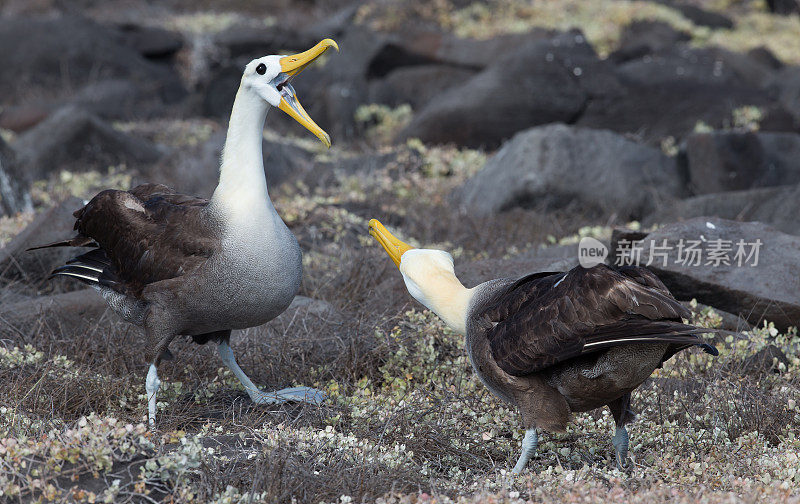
(145, 235)
(543, 319)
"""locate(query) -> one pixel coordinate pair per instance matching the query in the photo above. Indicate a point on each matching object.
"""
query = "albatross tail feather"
(77, 241)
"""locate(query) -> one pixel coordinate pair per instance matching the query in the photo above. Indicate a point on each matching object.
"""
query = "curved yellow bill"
(291, 66)
(394, 247)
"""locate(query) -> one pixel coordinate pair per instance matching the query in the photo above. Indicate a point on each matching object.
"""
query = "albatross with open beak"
(554, 343)
(180, 265)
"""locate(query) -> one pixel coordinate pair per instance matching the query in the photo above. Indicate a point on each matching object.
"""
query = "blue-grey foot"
(529, 443)
(620, 442)
(292, 394)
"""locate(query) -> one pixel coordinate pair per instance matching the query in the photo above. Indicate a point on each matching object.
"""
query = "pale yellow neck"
(449, 299)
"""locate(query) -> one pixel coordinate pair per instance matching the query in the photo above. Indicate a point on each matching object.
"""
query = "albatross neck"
(446, 296)
(242, 189)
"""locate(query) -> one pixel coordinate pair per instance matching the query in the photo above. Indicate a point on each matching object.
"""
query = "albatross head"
(270, 78)
(429, 276)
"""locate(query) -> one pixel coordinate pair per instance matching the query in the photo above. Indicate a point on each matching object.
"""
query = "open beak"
(394, 247)
(291, 66)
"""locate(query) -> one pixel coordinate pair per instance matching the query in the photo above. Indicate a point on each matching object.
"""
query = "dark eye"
(261, 69)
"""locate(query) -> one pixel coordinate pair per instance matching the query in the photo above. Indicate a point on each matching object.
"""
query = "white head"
(429, 276)
(269, 77)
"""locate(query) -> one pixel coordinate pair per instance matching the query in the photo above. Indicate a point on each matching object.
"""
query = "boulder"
(655, 111)
(151, 42)
(254, 41)
(784, 6)
(113, 99)
(422, 46)
(18, 118)
(557, 166)
(701, 17)
(14, 182)
(711, 66)
(646, 37)
(71, 311)
(541, 82)
(556, 258)
(73, 139)
(777, 206)
(730, 160)
(416, 85)
(759, 281)
(35, 266)
(786, 85)
(55, 55)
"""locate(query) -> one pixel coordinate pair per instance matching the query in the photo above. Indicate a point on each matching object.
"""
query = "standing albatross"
(179, 265)
(554, 343)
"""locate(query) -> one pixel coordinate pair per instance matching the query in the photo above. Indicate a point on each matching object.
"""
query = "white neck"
(445, 295)
(242, 189)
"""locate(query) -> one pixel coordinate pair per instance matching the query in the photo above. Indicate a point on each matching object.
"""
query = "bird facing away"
(554, 343)
(180, 265)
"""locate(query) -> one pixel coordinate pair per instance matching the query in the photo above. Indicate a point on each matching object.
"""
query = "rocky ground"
(502, 131)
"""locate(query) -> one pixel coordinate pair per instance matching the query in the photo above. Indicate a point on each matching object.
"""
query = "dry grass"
(406, 420)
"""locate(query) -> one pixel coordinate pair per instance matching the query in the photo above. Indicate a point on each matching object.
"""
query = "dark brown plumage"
(558, 343)
(547, 318)
(144, 235)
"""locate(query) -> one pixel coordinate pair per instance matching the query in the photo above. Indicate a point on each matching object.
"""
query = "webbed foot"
(620, 442)
(292, 394)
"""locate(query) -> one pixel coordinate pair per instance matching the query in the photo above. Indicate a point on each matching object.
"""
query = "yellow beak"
(291, 66)
(394, 247)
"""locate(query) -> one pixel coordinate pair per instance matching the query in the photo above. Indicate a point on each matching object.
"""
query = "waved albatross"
(554, 343)
(180, 265)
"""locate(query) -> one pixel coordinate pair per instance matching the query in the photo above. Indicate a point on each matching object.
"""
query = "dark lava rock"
(765, 361)
(701, 17)
(72, 311)
(654, 112)
(668, 92)
(74, 139)
(768, 289)
(777, 206)
(786, 84)
(542, 82)
(49, 226)
(646, 37)
(553, 259)
(253, 42)
(419, 46)
(151, 42)
(766, 57)
(729, 161)
(558, 166)
(54, 56)
(784, 6)
(14, 182)
(710, 66)
(113, 99)
(416, 85)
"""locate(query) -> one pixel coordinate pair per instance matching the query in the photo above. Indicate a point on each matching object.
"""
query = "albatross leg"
(151, 385)
(529, 444)
(298, 394)
(620, 410)
(620, 442)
